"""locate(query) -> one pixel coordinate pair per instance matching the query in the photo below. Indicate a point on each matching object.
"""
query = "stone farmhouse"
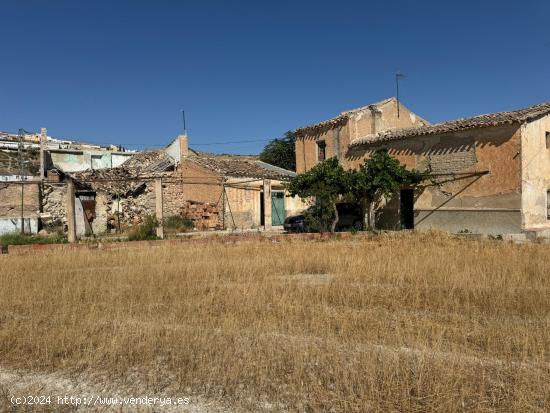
(332, 137)
(491, 173)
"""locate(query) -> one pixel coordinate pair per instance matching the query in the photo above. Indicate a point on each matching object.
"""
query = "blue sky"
(122, 71)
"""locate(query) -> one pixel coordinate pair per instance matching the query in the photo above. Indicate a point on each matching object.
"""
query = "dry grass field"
(409, 323)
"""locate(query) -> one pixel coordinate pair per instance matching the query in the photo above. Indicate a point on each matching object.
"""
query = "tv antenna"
(184, 123)
(398, 76)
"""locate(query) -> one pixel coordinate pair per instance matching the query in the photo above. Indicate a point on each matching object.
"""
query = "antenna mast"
(184, 123)
(398, 76)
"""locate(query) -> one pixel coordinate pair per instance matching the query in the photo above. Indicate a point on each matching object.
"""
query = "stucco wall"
(201, 184)
(466, 198)
(535, 173)
(243, 203)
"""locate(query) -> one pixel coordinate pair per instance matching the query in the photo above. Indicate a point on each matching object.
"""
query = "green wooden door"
(277, 208)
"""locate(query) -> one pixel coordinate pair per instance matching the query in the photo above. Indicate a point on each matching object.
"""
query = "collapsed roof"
(482, 121)
(127, 178)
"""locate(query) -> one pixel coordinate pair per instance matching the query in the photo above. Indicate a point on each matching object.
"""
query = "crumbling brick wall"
(205, 216)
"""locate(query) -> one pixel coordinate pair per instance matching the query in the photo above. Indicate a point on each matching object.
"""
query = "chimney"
(374, 119)
(184, 146)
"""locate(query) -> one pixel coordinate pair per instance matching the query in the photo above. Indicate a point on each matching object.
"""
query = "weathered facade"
(491, 173)
(332, 138)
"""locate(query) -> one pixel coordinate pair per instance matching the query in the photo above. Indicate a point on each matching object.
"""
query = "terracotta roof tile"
(242, 168)
(481, 121)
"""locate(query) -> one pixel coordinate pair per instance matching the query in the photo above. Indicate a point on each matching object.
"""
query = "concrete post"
(267, 204)
(159, 207)
(71, 221)
(43, 138)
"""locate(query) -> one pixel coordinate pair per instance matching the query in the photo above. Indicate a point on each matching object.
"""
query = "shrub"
(16, 238)
(178, 223)
(146, 230)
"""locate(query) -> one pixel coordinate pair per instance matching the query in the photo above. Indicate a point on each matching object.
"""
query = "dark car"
(349, 217)
(296, 223)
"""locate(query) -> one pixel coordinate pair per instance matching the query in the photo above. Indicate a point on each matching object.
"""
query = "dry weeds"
(406, 323)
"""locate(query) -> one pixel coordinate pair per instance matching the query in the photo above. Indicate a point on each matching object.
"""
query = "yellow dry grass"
(404, 323)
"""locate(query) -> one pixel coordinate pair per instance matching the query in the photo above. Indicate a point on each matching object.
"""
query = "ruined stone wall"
(535, 157)
(172, 196)
(128, 211)
(9, 162)
(464, 199)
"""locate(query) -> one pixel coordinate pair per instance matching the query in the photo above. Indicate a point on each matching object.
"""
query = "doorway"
(406, 208)
(277, 208)
(262, 209)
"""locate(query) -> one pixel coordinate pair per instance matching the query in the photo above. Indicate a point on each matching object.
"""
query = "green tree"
(326, 183)
(379, 177)
(281, 152)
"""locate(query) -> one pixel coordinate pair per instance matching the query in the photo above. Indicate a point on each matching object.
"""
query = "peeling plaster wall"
(535, 173)
(489, 204)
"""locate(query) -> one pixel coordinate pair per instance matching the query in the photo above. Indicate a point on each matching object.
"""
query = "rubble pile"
(204, 215)
(129, 211)
(54, 200)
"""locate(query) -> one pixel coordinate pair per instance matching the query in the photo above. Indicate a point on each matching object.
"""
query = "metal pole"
(184, 123)
(22, 211)
(398, 76)
(397, 87)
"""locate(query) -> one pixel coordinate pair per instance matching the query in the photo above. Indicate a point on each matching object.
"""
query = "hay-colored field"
(404, 323)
